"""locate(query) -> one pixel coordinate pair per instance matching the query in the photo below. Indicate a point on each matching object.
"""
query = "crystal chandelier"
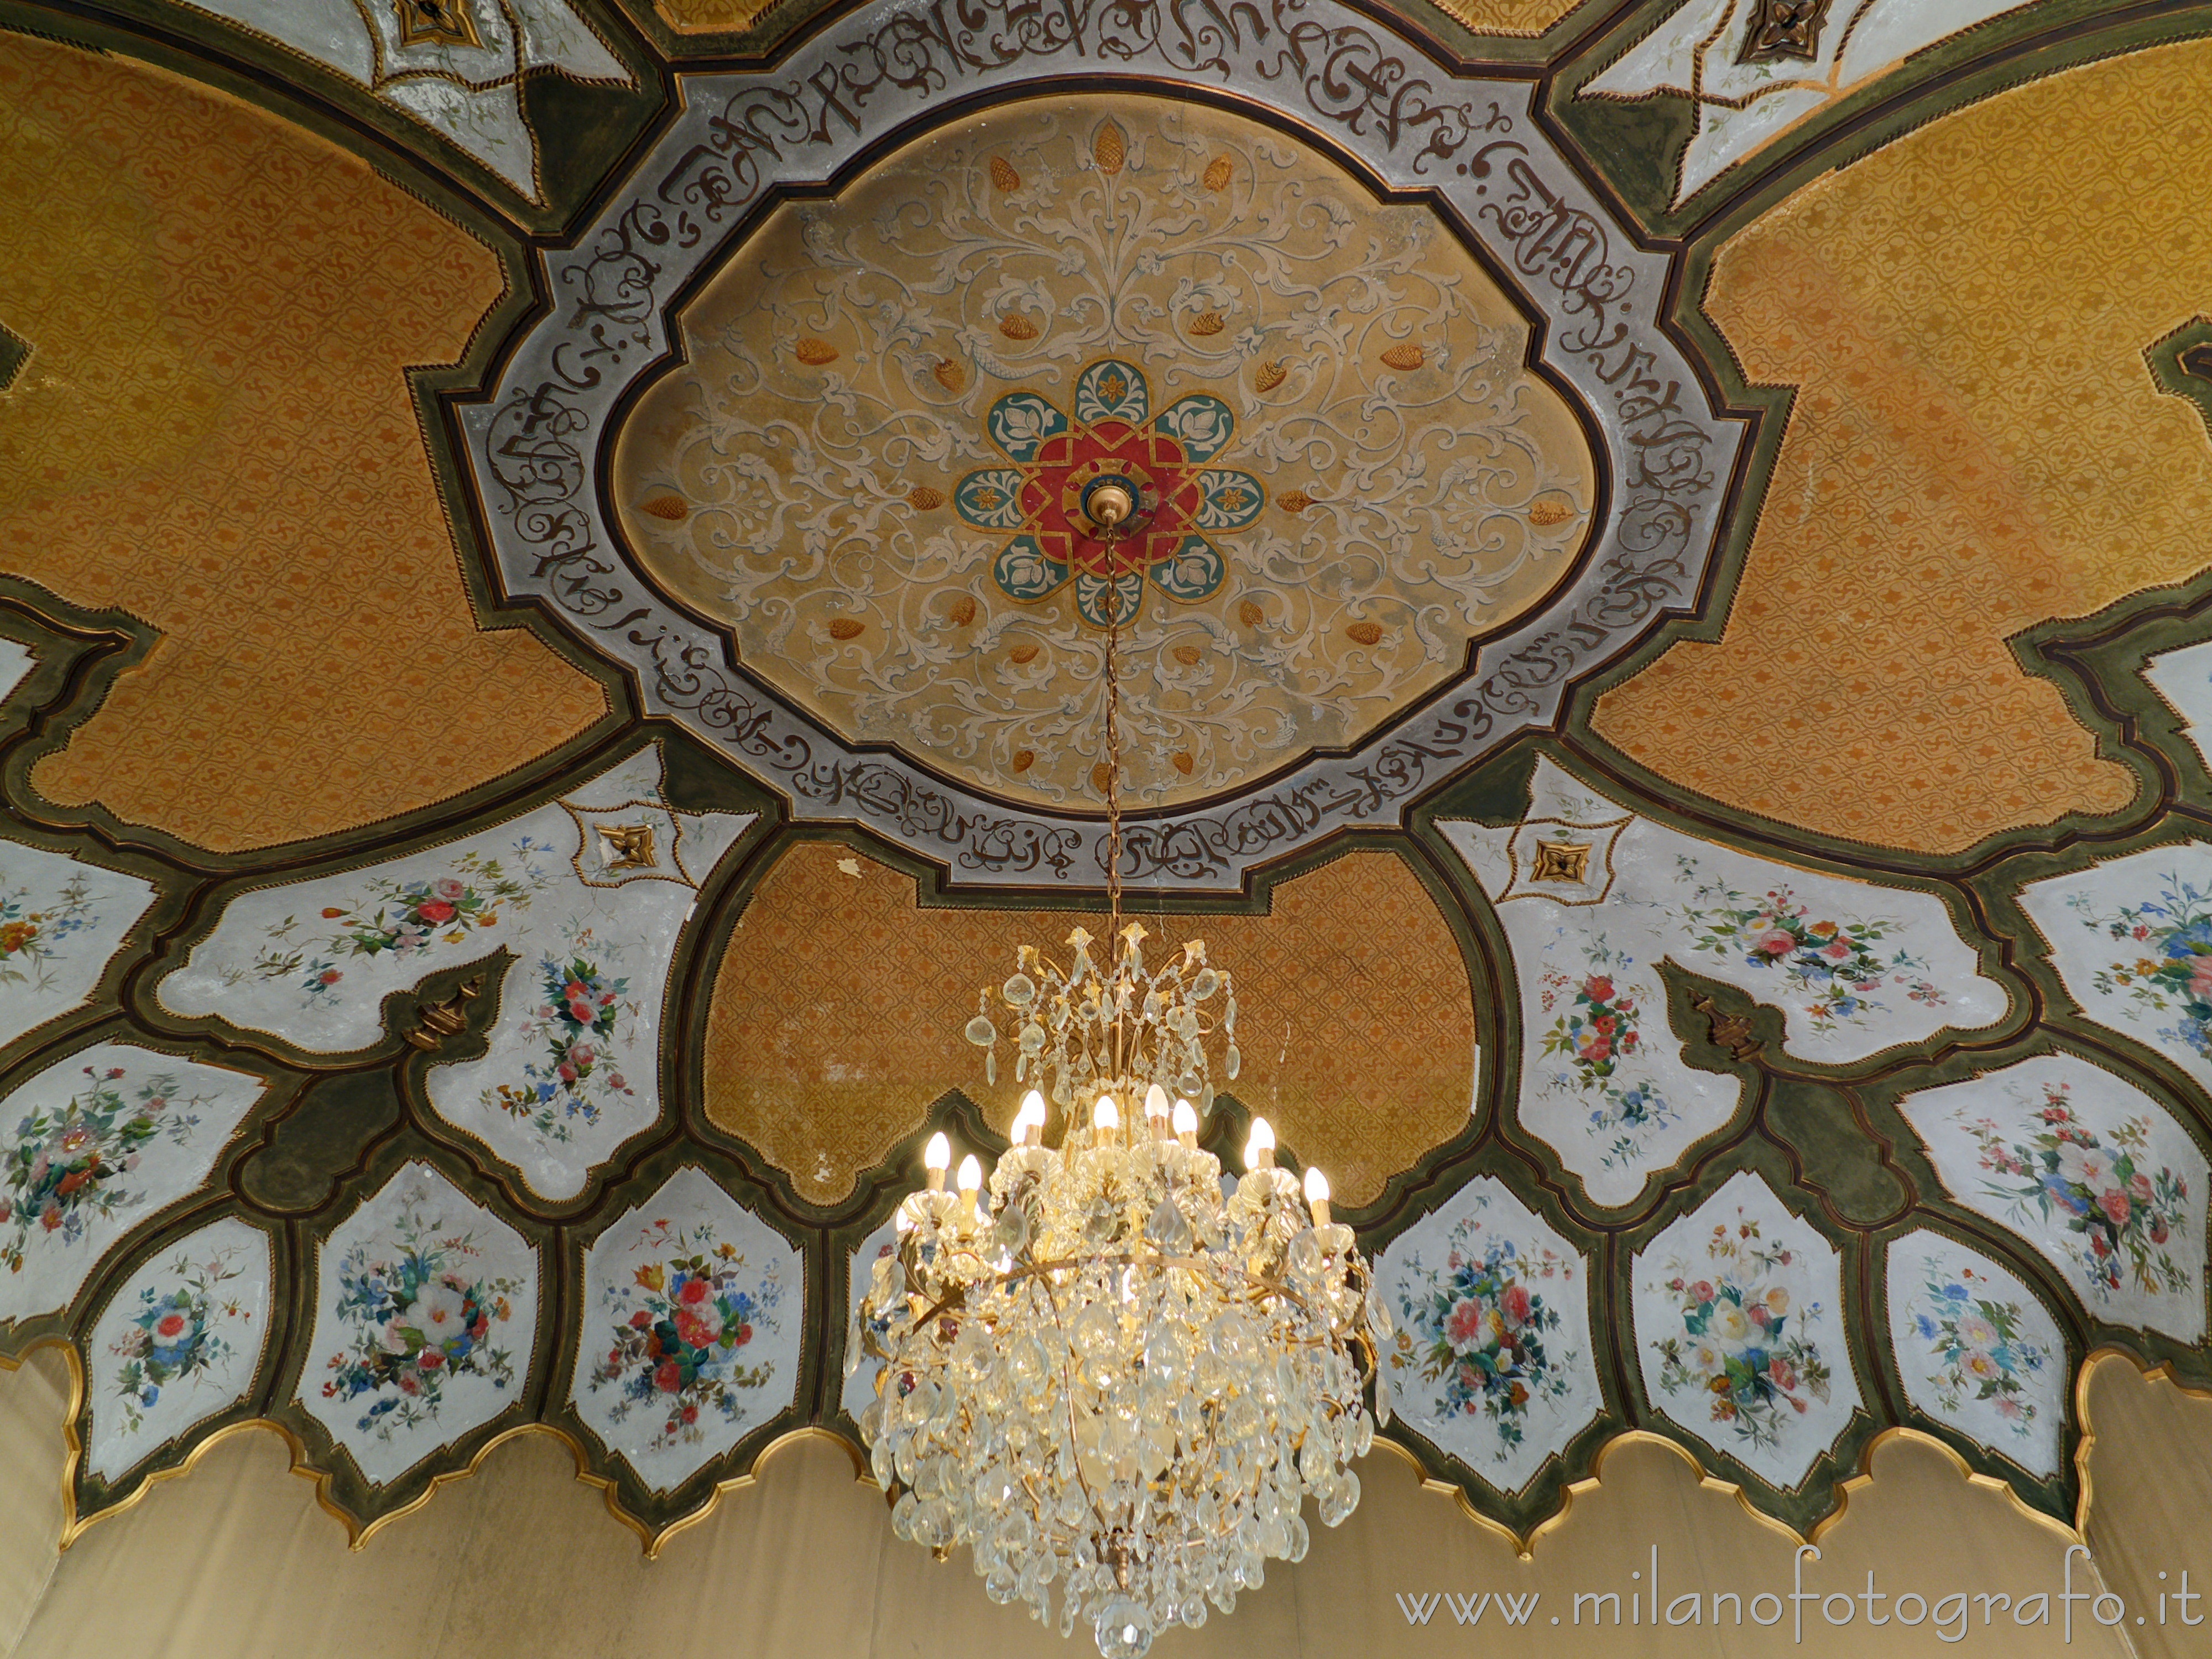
(1110, 1374)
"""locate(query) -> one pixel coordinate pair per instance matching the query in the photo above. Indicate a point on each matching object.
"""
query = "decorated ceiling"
(549, 651)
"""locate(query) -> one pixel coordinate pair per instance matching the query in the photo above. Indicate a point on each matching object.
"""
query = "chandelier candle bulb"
(1029, 1122)
(1105, 1121)
(1317, 1197)
(1186, 1125)
(1260, 1146)
(1156, 1111)
(937, 1159)
(971, 1183)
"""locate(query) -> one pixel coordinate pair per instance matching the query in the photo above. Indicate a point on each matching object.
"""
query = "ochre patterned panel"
(1976, 446)
(837, 1013)
(214, 433)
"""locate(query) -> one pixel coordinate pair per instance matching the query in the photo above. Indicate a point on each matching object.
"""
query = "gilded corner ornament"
(1784, 30)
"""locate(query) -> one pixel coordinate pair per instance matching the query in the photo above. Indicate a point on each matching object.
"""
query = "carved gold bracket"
(1729, 1031)
(436, 1021)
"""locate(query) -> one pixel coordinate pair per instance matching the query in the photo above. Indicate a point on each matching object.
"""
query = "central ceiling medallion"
(868, 470)
(1158, 461)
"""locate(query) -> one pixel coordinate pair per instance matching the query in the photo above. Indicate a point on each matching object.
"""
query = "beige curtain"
(236, 1559)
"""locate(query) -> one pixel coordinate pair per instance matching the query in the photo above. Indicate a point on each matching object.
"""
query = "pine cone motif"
(1110, 148)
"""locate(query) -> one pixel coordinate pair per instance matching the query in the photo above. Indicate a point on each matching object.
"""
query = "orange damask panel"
(1977, 445)
(214, 432)
(837, 1014)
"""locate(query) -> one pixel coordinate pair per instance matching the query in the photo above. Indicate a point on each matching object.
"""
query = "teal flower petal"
(1111, 390)
(1025, 572)
(1020, 421)
(1191, 572)
(1231, 500)
(991, 500)
(1200, 423)
(1093, 596)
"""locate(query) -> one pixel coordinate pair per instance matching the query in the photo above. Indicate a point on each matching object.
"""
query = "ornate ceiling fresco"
(1356, 475)
(546, 656)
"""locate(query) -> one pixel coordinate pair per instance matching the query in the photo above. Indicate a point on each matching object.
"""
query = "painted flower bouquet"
(69, 1167)
(401, 918)
(31, 930)
(1595, 1035)
(1478, 1329)
(580, 1009)
(175, 1337)
(2174, 971)
(2121, 1212)
(1597, 1029)
(1980, 1350)
(418, 1317)
(1830, 960)
(1743, 1341)
(679, 1350)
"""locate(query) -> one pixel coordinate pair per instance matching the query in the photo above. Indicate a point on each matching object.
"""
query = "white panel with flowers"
(1740, 1331)
(61, 923)
(591, 893)
(94, 1144)
(694, 1309)
(1855, 968)
(2131, 938)
(2091, 1172)
(1492, 1361)
(1977, 1348)
(426, 1315)
(178, 1342)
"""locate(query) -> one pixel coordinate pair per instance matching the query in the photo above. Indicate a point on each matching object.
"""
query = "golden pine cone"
(814, 353)
(1549, 512)
(1294, 500)
(671, 507)
(1366, 633)
(1207, 323)
(1025, 652)
(1188, 655)
(962, 611)
(1003, 174)
(1018, 328)
(950, 374)
(1024, 759)
(1271, 375)
(1251, 614)
(1184, 762)
(1110, 148)
(1216, 174)
(923, 498)
(846, 628)
(1408, 356)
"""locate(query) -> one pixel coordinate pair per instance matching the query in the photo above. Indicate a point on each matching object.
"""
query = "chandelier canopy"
(1121, 1374)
